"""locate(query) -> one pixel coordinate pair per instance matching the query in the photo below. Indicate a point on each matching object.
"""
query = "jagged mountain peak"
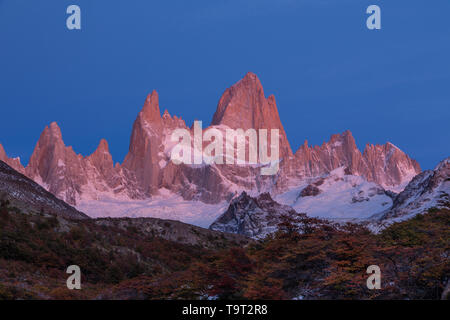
(103, 146)
(53, 132)
(166, 114)
(337, 141)
(50, 143)
(151, 112)
(346, 135)
(13, 162)
(385, 164)
(344, 141)
(72, 177)
(101, 157)
(388, 147)
(243, 104)
(389, 166)
(54, 127)
(249, 83)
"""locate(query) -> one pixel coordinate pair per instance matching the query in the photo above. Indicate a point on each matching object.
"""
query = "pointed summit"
(243, 101)
(170, 122)
(145, 142)
(51, 135)
(101, 158)
(150, 112)
(166, 114)
(48, 155)
(103, 146)
(244, 106)
(57, 167)
(344, 140)
(102, 151)
(250, 80)
(55, 129)
(389, 166)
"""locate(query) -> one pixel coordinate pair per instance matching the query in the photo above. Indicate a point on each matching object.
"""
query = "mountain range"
(337, 175)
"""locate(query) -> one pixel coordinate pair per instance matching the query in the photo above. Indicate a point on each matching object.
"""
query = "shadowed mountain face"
(27, 195)
(252, 217)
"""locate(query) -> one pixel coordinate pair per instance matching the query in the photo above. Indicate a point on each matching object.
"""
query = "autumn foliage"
(306, 259)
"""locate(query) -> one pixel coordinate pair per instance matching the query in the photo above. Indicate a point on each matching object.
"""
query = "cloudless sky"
(327, 71)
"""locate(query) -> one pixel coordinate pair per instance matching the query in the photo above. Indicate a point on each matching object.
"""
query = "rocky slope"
(28, 196)
(430, 189)
(253, 217)
(176, 231)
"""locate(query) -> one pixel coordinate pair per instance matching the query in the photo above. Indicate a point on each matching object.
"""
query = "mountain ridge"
(147, 167)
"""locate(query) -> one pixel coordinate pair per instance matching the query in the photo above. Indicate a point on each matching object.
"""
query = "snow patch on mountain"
(430, 189)
(166, 205)
(338, 196)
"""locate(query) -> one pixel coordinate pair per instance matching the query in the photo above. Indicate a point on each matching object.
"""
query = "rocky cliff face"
(253, 217)
(71, 176)
(340, 151)
(245, 106)
(149, 159)
(147, 167)
(146, 145)
(429, 189)
(386, 165)
(12, 162)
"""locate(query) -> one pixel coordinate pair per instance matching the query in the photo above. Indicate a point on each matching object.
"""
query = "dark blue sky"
(328, 72)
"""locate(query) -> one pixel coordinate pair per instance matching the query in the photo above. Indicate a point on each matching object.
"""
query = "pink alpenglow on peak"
(102, 159)
(12, 162)
(389, 166)
(386, 165)
(245, 106)
(72, 177)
